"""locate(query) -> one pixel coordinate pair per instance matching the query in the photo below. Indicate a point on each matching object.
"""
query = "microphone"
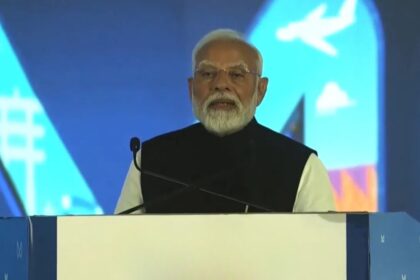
(135, 147)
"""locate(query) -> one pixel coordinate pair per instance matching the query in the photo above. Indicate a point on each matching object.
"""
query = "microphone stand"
(135, 147)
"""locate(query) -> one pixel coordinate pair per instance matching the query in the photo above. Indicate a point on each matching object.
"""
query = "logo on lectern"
(19, 250)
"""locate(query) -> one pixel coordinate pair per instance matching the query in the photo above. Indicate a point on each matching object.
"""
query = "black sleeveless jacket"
(255, 165)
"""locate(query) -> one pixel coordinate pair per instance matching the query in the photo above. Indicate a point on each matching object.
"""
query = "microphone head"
(134, 144)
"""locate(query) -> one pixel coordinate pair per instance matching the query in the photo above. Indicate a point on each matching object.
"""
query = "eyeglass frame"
(217, 70)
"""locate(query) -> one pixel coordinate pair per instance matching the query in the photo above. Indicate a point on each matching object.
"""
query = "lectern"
(215, 246)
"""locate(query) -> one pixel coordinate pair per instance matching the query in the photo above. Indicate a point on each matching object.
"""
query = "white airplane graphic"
(315, 28)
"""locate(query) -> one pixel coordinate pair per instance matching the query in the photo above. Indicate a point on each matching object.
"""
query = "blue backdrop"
(105, 71)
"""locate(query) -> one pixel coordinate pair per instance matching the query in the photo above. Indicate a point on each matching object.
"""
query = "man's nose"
(222, 81)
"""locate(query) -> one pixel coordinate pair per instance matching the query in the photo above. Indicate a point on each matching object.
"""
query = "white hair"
(223, 34)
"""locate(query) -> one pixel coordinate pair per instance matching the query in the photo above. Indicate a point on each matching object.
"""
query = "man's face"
(226, 88)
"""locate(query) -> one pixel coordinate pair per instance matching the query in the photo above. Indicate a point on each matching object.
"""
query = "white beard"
(224, 122)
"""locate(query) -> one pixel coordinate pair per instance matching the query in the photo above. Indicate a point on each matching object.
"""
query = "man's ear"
(261, 88)
(190, 86)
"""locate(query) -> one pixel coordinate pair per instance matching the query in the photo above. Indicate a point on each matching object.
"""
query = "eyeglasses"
(235, 74)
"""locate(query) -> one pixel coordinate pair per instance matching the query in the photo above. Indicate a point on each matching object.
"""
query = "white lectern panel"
(234, 246)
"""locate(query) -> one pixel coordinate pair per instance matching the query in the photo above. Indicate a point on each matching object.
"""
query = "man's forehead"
(227, 52)
(222, 64)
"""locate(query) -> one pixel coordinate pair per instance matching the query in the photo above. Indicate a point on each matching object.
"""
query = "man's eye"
(206, 73)
(236, 74)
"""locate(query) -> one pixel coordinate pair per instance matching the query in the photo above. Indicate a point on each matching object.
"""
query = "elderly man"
(228, 162)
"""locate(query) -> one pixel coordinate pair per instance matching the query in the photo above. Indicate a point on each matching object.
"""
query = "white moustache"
(222, 97)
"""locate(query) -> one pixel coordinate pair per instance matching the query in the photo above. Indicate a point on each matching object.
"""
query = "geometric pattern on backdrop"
(329, 55)
(43, 173)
